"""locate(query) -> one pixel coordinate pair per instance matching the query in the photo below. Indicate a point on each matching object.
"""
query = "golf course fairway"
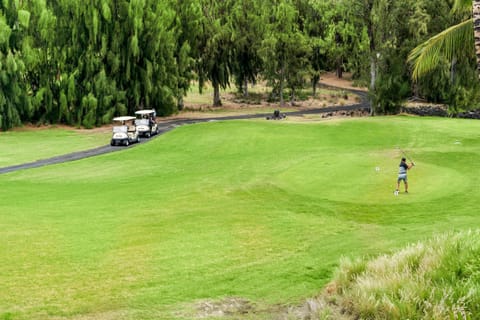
(256, 210)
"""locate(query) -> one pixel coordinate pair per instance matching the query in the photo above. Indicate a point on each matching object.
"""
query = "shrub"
(438, 279)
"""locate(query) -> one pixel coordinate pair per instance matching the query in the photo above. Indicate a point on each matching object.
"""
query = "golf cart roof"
(145, 111)
(124, 118)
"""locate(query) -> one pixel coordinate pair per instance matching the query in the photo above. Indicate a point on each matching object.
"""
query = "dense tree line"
(83, 62)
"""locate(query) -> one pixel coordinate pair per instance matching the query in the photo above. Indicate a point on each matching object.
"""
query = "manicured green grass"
(252, 209)
(30, 145)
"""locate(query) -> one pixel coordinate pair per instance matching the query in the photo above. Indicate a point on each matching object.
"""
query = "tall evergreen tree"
(14, 101)
(188, 15)
(284, 49)
(216, 54)
(248, 27)
(312, 25)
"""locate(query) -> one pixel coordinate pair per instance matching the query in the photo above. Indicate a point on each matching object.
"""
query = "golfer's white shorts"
(402, 177)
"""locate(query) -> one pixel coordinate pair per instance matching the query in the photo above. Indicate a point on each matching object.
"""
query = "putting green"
(354, 178)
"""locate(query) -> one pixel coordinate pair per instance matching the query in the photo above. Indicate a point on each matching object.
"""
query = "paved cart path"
(169, 125)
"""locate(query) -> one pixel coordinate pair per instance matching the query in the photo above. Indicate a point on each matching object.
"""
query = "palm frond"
(453, 42)
(462, 6)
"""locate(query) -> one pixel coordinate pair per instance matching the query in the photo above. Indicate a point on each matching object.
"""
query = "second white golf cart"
(124, 132)
(145, 122)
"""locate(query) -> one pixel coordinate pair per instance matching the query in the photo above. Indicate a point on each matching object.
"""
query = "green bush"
(463, 99)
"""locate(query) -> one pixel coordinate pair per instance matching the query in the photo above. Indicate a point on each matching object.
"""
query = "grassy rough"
(435, 279)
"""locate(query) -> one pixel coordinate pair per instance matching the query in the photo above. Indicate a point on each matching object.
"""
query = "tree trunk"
(282, 80)
(373, 78)
(217, 102)
(245, 88)
(373, 73)
(339, 70)
(180, 103)
(476, 30)
(373, 59)
(315, 80)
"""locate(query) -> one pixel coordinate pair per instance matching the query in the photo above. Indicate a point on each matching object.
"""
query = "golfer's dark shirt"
(402, 168)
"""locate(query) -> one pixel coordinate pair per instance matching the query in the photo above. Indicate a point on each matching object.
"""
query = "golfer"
(402, 173)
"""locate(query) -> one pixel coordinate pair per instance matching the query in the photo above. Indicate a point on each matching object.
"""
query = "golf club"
(405, 154)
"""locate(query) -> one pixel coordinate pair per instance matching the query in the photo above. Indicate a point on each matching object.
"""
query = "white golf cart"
(145, 122)
(124, 132)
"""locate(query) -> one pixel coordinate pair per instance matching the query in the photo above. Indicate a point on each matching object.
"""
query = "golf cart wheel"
(112, 143)
(147, 134)
(127, 143)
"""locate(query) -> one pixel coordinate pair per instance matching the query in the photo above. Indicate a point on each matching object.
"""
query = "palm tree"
(449, 44)
(476, 28)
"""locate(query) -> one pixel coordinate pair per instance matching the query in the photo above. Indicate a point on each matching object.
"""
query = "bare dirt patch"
(227, 306)
(257, 102)
(240, 308)
(237, 308)
(346, 82)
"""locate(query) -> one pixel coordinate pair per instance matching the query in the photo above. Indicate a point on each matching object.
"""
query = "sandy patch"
(346, 82)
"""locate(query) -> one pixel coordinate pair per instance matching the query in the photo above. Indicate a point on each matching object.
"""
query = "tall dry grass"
(436, 279)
